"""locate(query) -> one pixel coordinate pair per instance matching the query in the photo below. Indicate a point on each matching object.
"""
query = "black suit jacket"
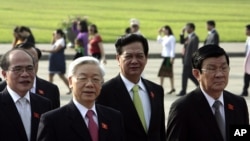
(191, 118)
(190, 45)
(44, 88)
(66, 124)
(115, 95)
(212, 38)
(11, 127)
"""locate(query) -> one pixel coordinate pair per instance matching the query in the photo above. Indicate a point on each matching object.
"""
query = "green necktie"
(138, 105)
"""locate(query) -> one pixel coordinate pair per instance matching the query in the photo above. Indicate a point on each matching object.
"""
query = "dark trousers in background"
(187, 73)
(246, 84)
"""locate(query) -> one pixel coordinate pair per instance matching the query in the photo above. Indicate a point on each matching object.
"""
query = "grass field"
(112, 16)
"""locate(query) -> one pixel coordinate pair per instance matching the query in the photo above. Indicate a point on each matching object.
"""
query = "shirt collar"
(211, 100)
(190, 35)
(129, 85)
(15, 96)
(83, 110)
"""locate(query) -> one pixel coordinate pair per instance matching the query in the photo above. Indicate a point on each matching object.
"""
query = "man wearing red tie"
(247, 63)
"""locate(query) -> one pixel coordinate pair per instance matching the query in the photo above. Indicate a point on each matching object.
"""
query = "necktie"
(138, 105)
(93, 128)
(25, 113)
(220, 121)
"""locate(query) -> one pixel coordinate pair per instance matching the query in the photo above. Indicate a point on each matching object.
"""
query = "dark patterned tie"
(219, 119)
(93, 128)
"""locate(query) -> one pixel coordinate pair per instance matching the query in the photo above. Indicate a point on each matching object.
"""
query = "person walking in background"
(135, 26)
(167, 40)
(95, 45)
(191, 43)
(206, 113)
(81, 119)
(22, 34)
(139, 100)
(213, 36)
(78, 48)
(247, 63)
(57, 63)
(40, 86)
(82, 33)
(20, 109)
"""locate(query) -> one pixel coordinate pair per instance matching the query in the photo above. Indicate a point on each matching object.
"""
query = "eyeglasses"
(94, 80)
(19, 70)
(212, 70)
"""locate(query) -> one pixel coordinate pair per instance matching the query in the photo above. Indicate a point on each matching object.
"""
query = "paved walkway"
(235, 50)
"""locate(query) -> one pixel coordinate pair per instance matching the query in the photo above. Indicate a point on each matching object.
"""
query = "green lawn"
(112, 16)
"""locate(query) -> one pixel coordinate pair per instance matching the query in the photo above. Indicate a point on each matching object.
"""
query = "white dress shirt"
(83, 110)
(211, 101)
(168, 45)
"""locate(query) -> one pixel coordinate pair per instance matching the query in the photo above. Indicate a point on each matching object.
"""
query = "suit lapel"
(13, 115)
(206, 114)
(77, 122)
(103, 124)
(127, 104)
(151, 96)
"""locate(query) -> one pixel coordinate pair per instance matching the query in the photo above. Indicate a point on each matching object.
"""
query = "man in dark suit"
(72, 122)
(207, 113)
(41, 86)
(141, 124)
(191, 43)
(18, 69)
(213, 36)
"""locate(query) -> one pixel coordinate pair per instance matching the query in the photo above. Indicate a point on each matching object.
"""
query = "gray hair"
(84, 60)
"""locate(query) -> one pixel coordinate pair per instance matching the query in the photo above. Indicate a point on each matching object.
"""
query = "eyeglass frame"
(21, 69)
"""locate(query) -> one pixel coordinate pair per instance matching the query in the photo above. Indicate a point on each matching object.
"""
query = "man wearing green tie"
(139, 100)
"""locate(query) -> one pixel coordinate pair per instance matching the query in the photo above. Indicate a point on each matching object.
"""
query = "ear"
(196, 74)
(117, 57)
(4, 73)
(70, 82)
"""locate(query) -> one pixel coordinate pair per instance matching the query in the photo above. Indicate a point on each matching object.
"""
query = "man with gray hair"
(82, 119)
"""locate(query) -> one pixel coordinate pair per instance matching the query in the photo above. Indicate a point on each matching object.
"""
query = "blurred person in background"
(22, 34)
(167, 40)
(247, 63)
(57, 62)
(81, 28)
(135, 26)
(191, 43)
(95, 45)
(213, 36)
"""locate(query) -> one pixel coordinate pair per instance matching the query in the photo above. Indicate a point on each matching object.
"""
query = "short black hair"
(191, 25)
(28, 45)
(205, 52)
(211, 22)
(130, 38)
(248, 27)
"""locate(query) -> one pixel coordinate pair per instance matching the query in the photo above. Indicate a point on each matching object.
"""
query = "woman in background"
(167, 41)
(95, 46)
(57, 63)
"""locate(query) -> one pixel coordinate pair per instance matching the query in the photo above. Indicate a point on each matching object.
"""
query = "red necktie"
(93, 128)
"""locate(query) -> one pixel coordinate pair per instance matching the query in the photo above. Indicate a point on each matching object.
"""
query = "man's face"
(209, 27)
(247, 32)
(86, 83)
(134, 28)
(21, 72)
(132, 60)
(214, 76)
